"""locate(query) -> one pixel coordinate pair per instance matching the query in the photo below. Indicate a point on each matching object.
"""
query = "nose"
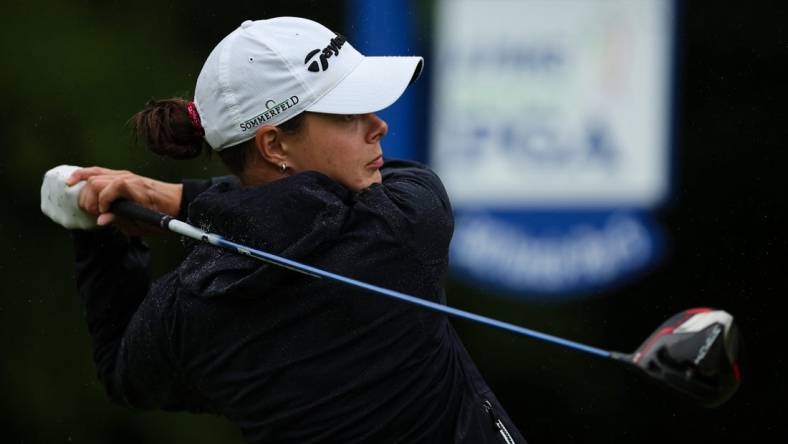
(377, 128)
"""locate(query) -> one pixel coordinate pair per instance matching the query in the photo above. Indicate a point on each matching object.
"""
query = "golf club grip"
(131, 210)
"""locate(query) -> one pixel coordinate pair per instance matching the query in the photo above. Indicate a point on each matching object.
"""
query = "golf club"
(695, 352)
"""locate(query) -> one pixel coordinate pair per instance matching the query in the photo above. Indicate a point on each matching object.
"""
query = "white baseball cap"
(268, 71)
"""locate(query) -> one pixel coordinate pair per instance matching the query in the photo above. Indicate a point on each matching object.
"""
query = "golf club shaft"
(136, 212)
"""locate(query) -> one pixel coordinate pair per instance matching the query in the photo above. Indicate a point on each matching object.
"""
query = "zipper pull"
(497, 423)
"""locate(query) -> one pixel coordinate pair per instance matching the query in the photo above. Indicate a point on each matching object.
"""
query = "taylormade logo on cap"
(332, 49)
(268, 71)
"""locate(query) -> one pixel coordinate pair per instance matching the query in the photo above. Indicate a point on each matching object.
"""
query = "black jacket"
(288, 357)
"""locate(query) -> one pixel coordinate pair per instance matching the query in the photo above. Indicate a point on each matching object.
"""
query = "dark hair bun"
(166, 129)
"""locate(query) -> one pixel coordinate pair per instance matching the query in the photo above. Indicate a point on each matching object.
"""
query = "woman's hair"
(167, 129)
(164, 126)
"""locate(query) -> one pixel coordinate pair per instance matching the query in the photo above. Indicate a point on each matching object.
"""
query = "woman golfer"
(288, 105)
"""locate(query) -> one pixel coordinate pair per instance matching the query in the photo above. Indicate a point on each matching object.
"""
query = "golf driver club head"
(695, 352)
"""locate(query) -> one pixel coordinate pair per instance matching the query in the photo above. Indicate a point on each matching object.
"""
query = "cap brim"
(376, 83)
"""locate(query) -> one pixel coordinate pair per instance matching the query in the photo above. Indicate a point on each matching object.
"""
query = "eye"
(349, 117)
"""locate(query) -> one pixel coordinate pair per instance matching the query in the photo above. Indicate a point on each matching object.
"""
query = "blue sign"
(552, 253)
(551, 132)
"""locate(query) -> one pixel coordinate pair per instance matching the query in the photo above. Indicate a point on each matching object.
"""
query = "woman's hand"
(103, 186)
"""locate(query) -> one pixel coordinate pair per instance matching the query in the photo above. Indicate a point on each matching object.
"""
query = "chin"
(368, 181)
(376, 178)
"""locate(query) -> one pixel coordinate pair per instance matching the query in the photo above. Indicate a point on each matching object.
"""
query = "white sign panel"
(552, 103)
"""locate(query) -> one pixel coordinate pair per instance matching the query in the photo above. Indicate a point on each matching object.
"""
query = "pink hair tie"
(195, 117)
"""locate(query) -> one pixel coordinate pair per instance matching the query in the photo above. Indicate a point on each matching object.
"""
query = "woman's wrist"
(167, 197)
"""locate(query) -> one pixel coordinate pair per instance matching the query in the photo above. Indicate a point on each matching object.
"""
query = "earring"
(283, 167)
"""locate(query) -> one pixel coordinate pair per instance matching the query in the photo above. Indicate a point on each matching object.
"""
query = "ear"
(268, 141)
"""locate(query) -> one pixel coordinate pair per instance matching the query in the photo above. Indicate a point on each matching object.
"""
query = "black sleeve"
(129, 321)
(113, 277)
(413, 203)
(193, 187)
